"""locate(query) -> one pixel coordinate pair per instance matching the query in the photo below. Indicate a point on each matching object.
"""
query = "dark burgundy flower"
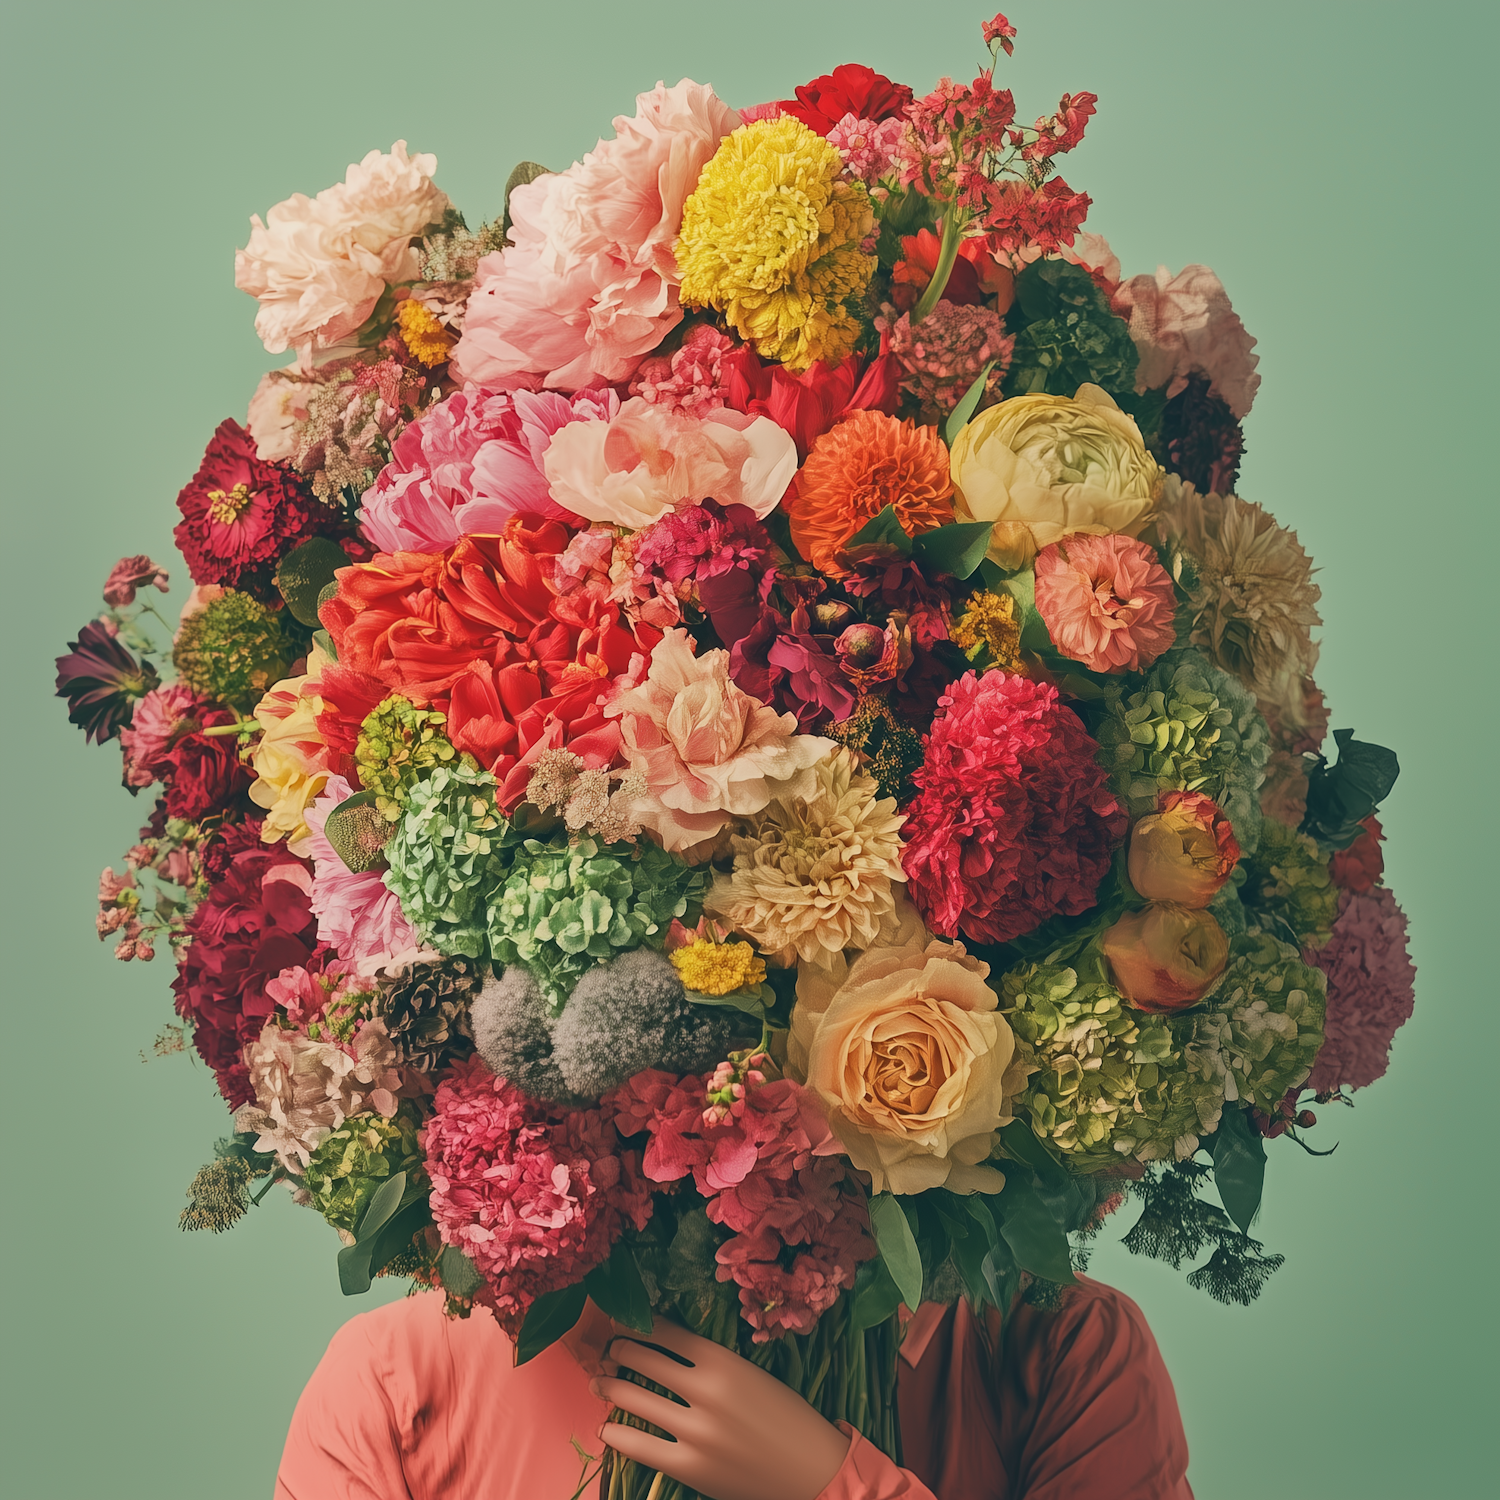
(232, 838)
(241, 516)
(851, 89)
(1202, 441)
(203, 773)
(102, 682)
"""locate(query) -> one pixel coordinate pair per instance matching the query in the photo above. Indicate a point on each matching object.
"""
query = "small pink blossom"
(130, 574)
(870, 148)
(692, 379)
(161, 718)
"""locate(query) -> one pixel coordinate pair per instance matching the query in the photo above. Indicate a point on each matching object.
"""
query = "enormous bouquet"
(734, 751)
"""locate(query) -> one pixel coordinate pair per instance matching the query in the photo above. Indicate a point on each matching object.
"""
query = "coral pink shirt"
(1072, 1405)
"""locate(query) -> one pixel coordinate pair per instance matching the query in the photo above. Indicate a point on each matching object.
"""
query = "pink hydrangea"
(1184, 325)
(470, 463)
(774, 1175)
(943, 355)
(1371, 990)
(588, 285)
(534, 1195)
(357, 913)
(1106, 601)
(870, 148)
(690, 380)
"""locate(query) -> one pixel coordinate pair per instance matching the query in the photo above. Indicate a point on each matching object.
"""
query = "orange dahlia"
(865, 463)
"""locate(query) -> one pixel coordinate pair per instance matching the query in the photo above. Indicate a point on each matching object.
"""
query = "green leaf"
(958, 418)
(618, 1290)
(305, 572)
(459, 1274)
(549, 1317)
(753, 1002)
(1239, 1154)
(898, 1247)
(884, 528)
(522, 173)
(1031, 1229)
(955, 549)
(876, 1295)
(354, 1260)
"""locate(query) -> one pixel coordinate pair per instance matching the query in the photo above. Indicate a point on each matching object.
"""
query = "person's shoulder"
(407, 1332)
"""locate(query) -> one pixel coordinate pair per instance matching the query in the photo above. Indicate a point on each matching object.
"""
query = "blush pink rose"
(1184, 325)
(588, 286)
(1184, 851)
(1166, 957)
(648, 460)
(471, 463)
(1106, 601)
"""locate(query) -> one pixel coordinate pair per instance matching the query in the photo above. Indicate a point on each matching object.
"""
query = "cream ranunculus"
(908, 1057)
(288, 757)
(1044, 467)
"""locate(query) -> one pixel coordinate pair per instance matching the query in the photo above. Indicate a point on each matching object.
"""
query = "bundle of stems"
(845, 1373)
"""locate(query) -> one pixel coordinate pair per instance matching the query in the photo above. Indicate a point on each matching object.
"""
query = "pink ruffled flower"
(357, 913)
(870, 148)
(534, 1195)
(1106, 601)
(944, 354)
(130, 574)
(1183, 325)
(588, 286)
(648, 460)
(691, 380)
(161, 718)
(707, 751)
(1092, 252)
(471, 463)
(1371, 990)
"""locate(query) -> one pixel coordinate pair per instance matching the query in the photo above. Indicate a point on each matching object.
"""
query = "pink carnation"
(1014, 821)
(357, 913)
(161, 718)
(1106, 601)
(534, 1195)
(1183, 325)
(691, 380)
(130, 574)
(471, 463)
(588, 286)
(1371, 990)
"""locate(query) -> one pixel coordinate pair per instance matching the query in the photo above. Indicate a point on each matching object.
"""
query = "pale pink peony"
(318, 265)
(1184, 325)
(649, 460)
(588, 286)
(1106, 601)
(707, 750)
(470, 463)
(357, 913)
(280, 402)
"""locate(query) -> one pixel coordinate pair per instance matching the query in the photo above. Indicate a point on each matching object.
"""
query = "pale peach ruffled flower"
(280, 402)
(707, 750)
(588, 286)
(318, 265)
(648, 460)
(1106, 601)
(289, 758)
(304, 1090)
(1184, 325)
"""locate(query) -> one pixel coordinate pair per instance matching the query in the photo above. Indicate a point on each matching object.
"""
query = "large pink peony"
(588, 286)
(648, 460)
(707, 750)
(471, 463)
(318, 265)
(1184, 325)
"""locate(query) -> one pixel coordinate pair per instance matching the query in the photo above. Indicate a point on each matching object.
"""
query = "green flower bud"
(233, 650)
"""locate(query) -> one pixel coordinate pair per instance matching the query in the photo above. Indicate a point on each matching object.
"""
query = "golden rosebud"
(1166, 957)
(1184, 851)
(1043, 467)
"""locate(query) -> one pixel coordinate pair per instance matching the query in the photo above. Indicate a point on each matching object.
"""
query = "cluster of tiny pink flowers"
(870, 149)
(119, 908)
(691, 380)
(727, 1085)
(942, 356)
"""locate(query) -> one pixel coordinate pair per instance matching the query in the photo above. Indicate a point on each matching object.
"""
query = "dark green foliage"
(1342, 795)
(1066, 336)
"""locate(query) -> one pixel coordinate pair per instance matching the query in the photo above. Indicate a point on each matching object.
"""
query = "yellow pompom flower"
(428, 342)
(770, 238)
(718, 968)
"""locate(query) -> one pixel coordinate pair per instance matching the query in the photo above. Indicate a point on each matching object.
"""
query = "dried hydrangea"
(1288, 886)
(399, 744)
(598, 803)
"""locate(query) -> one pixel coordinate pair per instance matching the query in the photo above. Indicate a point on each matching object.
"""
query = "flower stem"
(947, 255)
(240, 726)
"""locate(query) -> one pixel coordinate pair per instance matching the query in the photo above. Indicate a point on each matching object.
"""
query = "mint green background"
(1326, 159)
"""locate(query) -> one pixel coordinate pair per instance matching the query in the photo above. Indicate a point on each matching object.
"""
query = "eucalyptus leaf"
(956, 549)
(1239, 1153)
(898, 1247)
(618, 1290)
(959, 417)
(551, 1316)
(884, 528)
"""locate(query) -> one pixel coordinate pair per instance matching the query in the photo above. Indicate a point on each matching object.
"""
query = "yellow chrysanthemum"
(770, 238)
(989, 621)
(421, 332)
(718, 968)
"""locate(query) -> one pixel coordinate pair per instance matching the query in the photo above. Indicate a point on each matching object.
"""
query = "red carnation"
(241, 516)
(851, 89)
(255, 921)
(203, 773)
(1014, 821)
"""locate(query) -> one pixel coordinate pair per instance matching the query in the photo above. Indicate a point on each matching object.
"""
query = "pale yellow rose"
(1044, 467)
(287, 758)
(909, 1059)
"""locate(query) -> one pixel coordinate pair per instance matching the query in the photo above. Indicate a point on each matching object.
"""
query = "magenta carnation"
(1371, 984)
(161, 717)
(470, 464)
(1014, 821)
(534, 1195)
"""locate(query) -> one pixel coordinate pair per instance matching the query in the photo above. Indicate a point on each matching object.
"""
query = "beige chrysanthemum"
(813, 875)
(1254, 602)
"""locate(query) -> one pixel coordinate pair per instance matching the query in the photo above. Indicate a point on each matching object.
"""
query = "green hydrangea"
(1287, 884)
(1109, 1081)
(399, 745)
(348, 1167)
(1259, 1032)
(446, 858)
(1192, 728)
(232, 650)
(566, 907)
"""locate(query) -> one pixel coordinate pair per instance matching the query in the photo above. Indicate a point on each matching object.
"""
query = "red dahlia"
(851, 89)
(1014, 821)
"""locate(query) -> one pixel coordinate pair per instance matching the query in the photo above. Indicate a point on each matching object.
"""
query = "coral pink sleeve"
(867, 1474)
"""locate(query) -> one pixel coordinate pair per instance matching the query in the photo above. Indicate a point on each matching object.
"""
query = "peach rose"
(1166, 957)
(1184, 851)
(908, 1057)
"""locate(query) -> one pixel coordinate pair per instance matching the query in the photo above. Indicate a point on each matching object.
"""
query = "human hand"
(741, 1434)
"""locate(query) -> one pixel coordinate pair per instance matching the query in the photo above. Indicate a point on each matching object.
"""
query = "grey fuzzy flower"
(514, 1036)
